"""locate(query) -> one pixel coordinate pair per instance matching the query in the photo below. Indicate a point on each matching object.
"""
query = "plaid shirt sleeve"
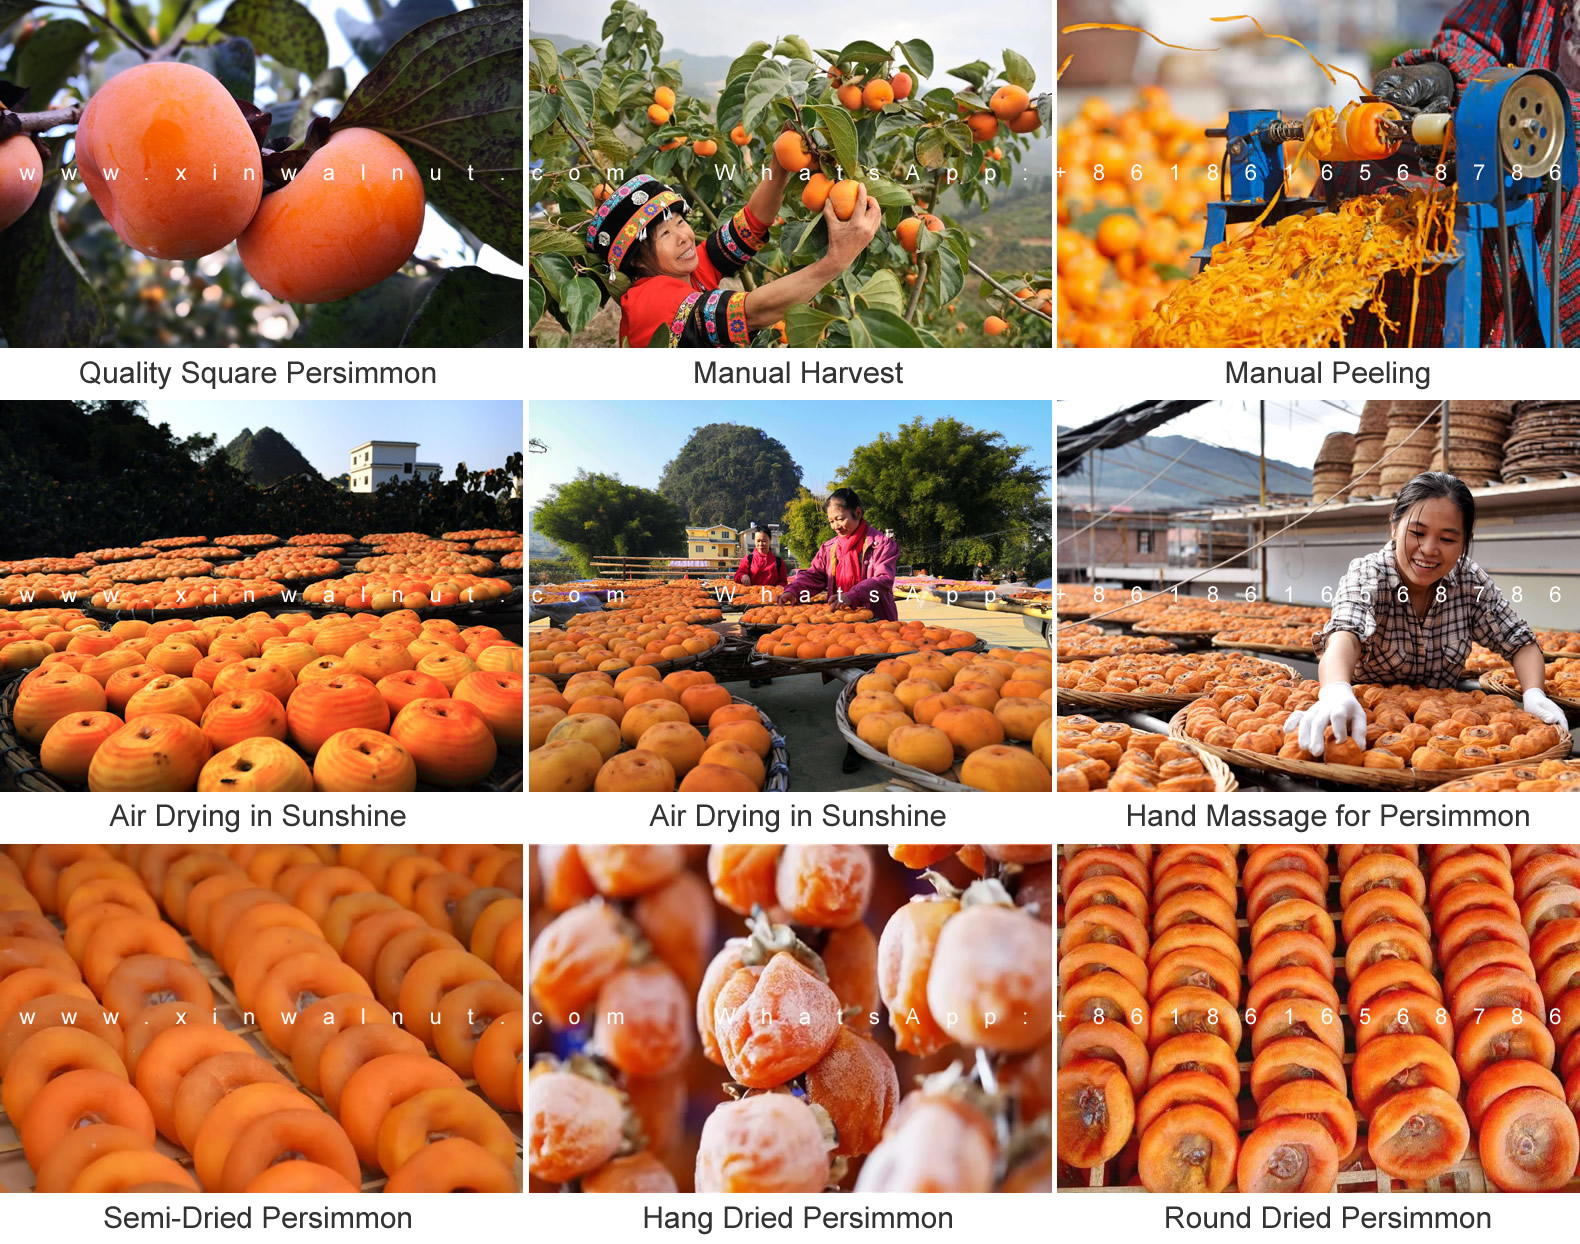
(1496, 625)
(1354, 603)
(1479, 34)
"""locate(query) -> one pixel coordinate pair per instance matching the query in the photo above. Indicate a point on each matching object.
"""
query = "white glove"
(1536, 702)
(1336, 706)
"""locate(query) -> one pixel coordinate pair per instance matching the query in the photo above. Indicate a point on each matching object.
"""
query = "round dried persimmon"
(1493, 954)
(1561, 937)
(1480, 924)
(1502, 1032)
(1541, 867)
(1279, 858)
(351, 1049)
(1111, 925)
(78, 1149)
(296, 1175)
(201, 1089)
(1183, 936)
(1551, 902)
(438, 1114)
(1113, 1043)
(1295, 915)
(1352, 851)
(1198, 966)
(80, 1099)
(1293, 1059)
(1384, 905)
(1382, 870)
(1103, 861)
(1182, 1088)
(1190, 878)
(1188, 1149)
(1214, 855)
(1195, 907)
(377, 1087)
(1528, 1141)
(1287, 1154)
(1275, 887)
(141, 981)
(1100, 957)
(50, 1053)
(1386, 940)
(1473, 865)
(1494, 986)
(233, 1116)
(1402, 1012)
(1295, 982)
(1096, 1112)
(1194, 1051)
(1504, 1077)
(1418, 1133)
(1105, 998)
(132, 1170)
(1389, 1065)
(1107, 891)
(1297, 1017)
(166, 1060)
(1289, 949)
(460, 1165)
(1313, 1099)
(1189, 1009)
(286, 1135)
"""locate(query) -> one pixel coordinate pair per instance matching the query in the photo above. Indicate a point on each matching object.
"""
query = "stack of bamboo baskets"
(1332, 469)
(1412, 436)
(1476, 435)
(1369, 437)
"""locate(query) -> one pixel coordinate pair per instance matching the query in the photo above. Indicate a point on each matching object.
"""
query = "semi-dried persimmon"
(1182, 936)
(1528, 1141)
(1189, 1009)
(1287, 1154)
(1297, 1017)
(1403, 1012)
(1295, 982)
(1106, 998)
(1182, 1088)
(1111, 925)
(1351, 851)
(1467, 866)
(1289, 949)
(1376, 906)
(49, 1053)
(1096, 1112)
(1295, 915)
(141, 981)
(378, 1087)
(1195, 907)
(1561, 937)
(1188, 1149)
(1503, 1077)
(1478, 925)
(1317, 1100)
(1502, 1032)
(130, 1170)
(1471, 894)
(1385, 871)
(438, 1114)
(1113, 1043)
(1418, 1133)
(297, 1175)
(168, 1058)
(285, 1135)
(1551, 902)
(1276, 887)
(1389, 1065)
(1494, 986)
(1535, 873)
(353, 1048)
(1101, 957)
(81, 1099)
(1198, 966)
(1473, 958)
(1279, 858)
(1100, 862)
(1194, 1051)
(121, 937)
(78, 1149)
(1107, 891)
(1292, 1060)
(201, 1089)
(1214, 855)
(1192, 877)
(459, 1165)
(1388, 940)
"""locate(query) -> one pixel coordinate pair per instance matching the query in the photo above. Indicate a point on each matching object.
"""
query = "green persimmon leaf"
(47, 59)
(920, 55)
(45, 297)
(468, 307)
(875, 327)
(580, 301)
(450, 93)
(371, 41)
(283, 29)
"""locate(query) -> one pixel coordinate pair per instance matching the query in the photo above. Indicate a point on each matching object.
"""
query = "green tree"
(727, 473)
(951, 494)
(804, 526)
(599, 515)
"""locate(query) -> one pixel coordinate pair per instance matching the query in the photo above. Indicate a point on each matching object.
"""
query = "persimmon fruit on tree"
(874, 114)
(142, 131)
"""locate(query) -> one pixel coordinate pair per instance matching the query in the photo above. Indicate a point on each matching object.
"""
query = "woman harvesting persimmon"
(641, 230)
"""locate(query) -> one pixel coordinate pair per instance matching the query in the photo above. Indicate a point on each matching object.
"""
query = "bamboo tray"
(16, 1176)
(1224, 781)
(1499, 683)
(1133, 702)
(949, 780)
(1282, 650)
(1204, 634)
(1356, 1172)
(1358, 775)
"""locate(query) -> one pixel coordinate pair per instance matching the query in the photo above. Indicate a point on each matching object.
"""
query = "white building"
(375, 462)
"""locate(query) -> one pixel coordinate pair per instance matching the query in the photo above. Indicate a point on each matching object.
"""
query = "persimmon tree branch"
(1022, 303)
(38, 122)
(178, 37)
(105, 21)
(916, 290)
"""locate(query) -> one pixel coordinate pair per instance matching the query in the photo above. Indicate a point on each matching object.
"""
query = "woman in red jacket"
(762, 567)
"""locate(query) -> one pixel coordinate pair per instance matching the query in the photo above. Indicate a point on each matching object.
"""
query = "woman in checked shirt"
(1409, 612)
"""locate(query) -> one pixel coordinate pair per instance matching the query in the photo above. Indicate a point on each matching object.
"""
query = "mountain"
(1196, 480)
(703, 75)
(542, 546)
(266, 456)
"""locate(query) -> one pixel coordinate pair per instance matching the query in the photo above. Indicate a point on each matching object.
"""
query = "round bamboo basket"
(1355, 775)
(1281, 650)
(1504, 682)
(1131, 702)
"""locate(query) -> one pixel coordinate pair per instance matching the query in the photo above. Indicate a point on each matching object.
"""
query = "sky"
(958, 33)
(626, 440)
(1295, 430)
(480, 434)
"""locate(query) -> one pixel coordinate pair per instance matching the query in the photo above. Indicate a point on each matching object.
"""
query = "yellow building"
(718, 541)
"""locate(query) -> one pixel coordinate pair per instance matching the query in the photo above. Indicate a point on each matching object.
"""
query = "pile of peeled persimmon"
(261, 1019)
(791, 1019)
(293, 702)
(1297, 1018)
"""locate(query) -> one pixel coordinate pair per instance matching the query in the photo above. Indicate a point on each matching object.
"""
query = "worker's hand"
(1537, 703)
(848, 238)
(1336, 706)
(1426, 88)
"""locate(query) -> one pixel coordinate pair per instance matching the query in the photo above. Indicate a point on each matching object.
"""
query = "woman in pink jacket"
(856, 566)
